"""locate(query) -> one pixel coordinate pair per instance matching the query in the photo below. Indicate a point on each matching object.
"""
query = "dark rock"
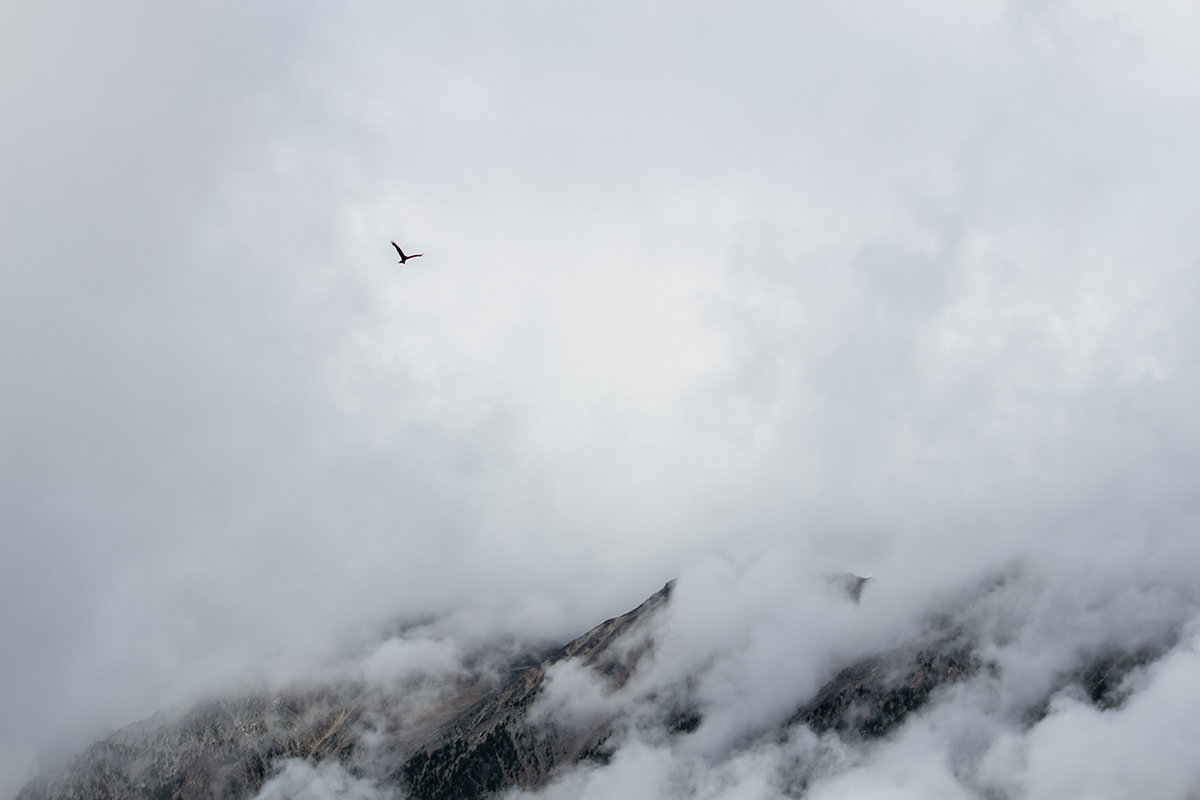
(874, 696)
(849, 584)
(1104, 679)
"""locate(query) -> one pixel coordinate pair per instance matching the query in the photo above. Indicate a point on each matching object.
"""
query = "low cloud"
(1023, 725)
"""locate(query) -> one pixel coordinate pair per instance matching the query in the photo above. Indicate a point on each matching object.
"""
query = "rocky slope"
(485, 736)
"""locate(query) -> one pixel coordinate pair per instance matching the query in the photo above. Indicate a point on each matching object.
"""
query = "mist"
(742, 295)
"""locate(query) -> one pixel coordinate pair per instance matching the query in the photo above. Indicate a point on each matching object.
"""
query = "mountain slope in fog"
(486, 731)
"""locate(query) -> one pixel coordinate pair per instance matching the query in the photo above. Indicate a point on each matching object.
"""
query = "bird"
(403, 257)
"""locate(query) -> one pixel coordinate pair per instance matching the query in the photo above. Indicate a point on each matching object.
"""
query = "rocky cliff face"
(484, 736)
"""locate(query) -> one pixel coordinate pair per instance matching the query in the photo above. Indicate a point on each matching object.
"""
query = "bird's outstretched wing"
(398, 250)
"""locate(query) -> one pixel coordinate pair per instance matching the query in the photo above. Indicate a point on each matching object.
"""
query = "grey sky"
(702, 282)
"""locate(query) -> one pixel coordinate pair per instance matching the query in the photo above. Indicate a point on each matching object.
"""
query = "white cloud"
(300, 780)
(745, 294)
(1140, 748)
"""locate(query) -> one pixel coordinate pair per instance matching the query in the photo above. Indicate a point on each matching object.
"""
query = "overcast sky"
(908, 289)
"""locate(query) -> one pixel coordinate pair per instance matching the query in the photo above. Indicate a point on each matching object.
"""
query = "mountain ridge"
(484, 736)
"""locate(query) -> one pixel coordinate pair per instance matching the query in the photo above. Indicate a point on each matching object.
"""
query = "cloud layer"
(732, 293)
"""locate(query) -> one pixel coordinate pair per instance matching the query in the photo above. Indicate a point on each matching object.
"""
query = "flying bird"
(403, 257)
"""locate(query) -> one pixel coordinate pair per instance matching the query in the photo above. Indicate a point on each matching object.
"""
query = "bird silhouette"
(403, 257)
